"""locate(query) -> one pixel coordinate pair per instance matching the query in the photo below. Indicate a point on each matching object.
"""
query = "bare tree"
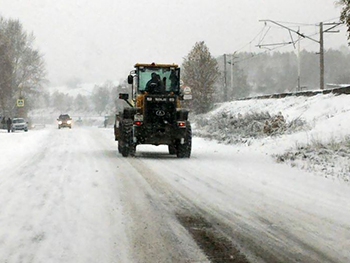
(25, 62)
(5, 75)
(200, 71)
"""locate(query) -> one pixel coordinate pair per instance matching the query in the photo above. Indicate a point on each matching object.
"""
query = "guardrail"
(337, 91)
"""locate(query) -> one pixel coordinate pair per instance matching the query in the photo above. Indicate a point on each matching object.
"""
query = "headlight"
(69, 122)
(59, 122)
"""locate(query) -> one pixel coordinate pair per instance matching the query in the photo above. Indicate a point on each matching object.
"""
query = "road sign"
(20, 103)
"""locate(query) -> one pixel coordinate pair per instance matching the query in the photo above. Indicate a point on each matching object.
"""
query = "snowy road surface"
(68, 196)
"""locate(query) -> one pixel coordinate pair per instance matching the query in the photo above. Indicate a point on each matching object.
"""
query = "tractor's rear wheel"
(184, 150)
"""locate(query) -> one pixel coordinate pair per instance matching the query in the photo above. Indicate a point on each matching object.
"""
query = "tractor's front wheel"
(125, 144)
(172, 149)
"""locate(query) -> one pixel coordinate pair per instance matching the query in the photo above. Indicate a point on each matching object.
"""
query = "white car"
(19, 124)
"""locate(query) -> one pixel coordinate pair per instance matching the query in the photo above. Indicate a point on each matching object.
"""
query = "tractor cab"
(156, 79)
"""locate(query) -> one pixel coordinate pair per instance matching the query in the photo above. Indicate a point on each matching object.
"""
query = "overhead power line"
(250, 42)
(330, 28)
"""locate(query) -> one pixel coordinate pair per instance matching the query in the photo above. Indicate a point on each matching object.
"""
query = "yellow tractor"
(154, 114)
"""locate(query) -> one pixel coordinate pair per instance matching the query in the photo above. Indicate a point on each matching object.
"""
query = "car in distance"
(64, 121)
(19, 124)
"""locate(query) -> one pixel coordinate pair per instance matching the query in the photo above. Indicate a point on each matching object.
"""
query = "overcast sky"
(98, 40)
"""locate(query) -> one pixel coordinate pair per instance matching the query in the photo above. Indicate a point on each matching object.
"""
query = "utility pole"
(232, 57)
(322, 31)
(320, 42)
(231, 73)
(299, 64)
(225, 80)
(321, 58)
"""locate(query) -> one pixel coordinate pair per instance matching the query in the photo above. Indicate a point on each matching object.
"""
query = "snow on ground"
(317, 140)
(55, 206)
(316, 134)
(68, 196)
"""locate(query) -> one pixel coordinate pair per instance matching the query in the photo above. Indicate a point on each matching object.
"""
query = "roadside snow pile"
(311, 133)
(331, 160)
(237, 128)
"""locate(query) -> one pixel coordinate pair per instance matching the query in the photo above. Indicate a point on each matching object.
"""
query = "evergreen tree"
(200, 71)
(310, 70)
(100, 98)
(286, 72)
(337, 70)
(240, 87)
(81, 103)
(345, 14)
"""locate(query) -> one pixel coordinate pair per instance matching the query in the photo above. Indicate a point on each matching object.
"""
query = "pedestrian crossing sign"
(20, 103)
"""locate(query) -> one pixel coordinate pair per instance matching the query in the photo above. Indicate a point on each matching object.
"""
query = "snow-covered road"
(68, 196)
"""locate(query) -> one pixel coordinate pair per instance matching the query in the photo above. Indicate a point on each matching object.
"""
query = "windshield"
(168, 77)
(18, 120)
(64, 117)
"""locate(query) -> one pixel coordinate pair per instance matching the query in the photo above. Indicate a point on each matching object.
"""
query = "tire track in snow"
(57, 212)
(212, 242)
(243, 228)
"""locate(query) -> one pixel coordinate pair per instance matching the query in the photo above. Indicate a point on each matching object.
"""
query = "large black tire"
(129, 113)
(126, 144)
(184, 150)
(119, 146)
(172, 149)
(132, 149)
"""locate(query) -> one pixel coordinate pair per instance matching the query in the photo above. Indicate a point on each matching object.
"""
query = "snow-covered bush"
(332, 158)
(237, 128)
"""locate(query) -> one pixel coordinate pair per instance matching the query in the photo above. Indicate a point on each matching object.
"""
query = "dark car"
(64, 121)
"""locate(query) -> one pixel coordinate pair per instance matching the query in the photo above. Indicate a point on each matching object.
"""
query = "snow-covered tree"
(25, 63)
(100, 98)
(200, 71)
(73, 82)
(240, 87)
(61, 101)
(81, 103)
(5, 75)
(345, 14)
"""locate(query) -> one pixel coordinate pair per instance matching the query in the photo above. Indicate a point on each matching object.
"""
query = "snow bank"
(307, 125)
